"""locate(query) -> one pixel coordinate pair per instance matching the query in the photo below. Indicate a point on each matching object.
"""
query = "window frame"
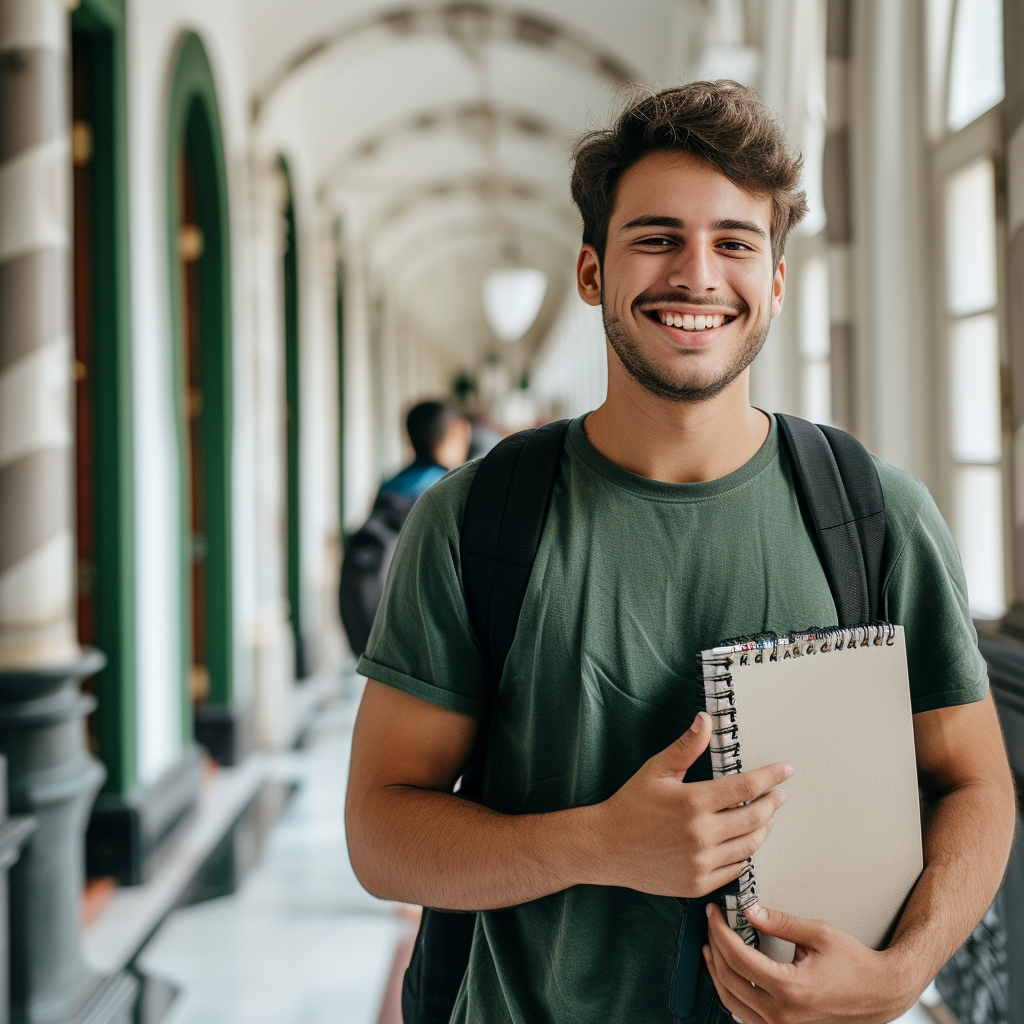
(953, 152)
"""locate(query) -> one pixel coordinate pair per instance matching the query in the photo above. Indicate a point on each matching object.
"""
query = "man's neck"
(677, 442)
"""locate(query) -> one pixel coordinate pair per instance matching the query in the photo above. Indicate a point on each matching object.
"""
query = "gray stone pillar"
(42, 712)
(839, 226)
(37, 598)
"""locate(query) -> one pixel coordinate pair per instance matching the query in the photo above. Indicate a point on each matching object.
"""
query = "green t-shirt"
(634, 577)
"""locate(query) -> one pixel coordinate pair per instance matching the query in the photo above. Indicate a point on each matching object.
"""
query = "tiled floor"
(301, 943)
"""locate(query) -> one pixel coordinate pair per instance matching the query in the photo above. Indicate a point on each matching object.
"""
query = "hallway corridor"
(301, 942)
(242, 240)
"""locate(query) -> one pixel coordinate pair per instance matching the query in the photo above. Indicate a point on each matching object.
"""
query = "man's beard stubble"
(654, 380)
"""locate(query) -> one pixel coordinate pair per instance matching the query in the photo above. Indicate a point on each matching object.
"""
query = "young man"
(440, 442)
(440, 439)
(674, 524)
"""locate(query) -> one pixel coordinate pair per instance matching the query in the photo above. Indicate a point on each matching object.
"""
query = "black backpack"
(364, 569)
(841, 498)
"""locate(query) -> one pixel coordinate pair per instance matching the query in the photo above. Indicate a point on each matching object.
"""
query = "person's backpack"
(841, 497)
(364, 569)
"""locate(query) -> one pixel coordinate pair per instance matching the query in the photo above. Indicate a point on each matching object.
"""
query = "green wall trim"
(194, 122)
(104, 22)
(293, 420)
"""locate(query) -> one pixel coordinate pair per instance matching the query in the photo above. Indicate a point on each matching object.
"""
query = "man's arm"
(968, 829)
(411, 839)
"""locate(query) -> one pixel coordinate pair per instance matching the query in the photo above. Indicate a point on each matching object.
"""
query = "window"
(966, 79)
(976, 61)
(975, 431)
(815, 346)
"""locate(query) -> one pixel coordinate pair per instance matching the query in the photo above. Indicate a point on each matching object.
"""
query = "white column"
(270, 630)
(37, 581)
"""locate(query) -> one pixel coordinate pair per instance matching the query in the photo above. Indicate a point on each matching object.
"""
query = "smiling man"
(674, 523)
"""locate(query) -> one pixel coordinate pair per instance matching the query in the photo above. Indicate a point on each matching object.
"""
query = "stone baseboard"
(225, 732)
(129, 835)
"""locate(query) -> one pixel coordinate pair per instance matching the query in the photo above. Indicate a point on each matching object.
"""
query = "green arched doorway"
(200, 272)
(293, 418)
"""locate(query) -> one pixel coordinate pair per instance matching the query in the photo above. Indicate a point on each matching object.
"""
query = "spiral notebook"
(834, 703)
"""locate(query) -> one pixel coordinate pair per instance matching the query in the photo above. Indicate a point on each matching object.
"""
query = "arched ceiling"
(440, 133)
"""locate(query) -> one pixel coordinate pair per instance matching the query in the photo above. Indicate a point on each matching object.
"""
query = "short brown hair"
(723, 122)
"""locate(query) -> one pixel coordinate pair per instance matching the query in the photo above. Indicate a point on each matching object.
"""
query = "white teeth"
(689, 322)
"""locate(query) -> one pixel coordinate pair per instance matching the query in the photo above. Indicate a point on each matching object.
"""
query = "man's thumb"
(801, 931)
(685, 750)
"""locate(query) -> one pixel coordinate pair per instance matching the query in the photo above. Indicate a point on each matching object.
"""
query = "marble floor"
(301, 942)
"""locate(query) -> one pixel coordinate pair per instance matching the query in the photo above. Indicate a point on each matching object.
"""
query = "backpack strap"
(502, 526)
(841, 493)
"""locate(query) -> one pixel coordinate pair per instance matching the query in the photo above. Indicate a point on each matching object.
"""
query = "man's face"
(687, 284)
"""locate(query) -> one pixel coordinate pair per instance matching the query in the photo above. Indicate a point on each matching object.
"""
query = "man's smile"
(689, 325)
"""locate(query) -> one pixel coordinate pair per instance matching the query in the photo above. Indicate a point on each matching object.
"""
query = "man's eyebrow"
(740, 225)
(659, 221)
(653, 221)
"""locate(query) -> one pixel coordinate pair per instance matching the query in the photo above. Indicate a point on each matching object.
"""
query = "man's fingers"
(747, 786)
(743, 847)
(744, 960)
(800, 930)
(734, 995)
(734, 822)
(725, 874)
(677, 758)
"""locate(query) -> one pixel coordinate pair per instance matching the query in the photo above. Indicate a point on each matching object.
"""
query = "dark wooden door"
(190, 247)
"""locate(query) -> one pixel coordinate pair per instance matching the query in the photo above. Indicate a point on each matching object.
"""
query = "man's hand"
(833, 977)
(669, 839)
(412, 840)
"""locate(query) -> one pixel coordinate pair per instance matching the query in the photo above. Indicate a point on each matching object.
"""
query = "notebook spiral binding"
(720, 703)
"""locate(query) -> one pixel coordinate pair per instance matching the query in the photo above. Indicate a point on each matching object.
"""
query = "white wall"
(153, 34)
(571, 375)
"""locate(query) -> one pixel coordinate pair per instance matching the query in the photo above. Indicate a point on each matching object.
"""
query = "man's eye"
(733, 246)
(657, 243)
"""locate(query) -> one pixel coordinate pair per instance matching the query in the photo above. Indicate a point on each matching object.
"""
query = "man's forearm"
(442, 851)
(967, 839)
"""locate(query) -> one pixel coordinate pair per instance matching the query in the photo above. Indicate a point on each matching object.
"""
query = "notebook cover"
(846, 845)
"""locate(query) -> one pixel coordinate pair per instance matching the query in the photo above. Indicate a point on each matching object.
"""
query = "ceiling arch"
(469, 25)
(474, 119)
(410, 245)
(500, 195)
(536, 248)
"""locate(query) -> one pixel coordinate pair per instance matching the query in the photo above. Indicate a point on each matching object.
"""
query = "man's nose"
(695, 269)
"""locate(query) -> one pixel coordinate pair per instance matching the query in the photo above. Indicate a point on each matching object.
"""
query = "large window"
(966, 42)
(808, 252)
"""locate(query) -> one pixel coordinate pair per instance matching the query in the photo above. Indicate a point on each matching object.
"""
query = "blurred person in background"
(440, 439)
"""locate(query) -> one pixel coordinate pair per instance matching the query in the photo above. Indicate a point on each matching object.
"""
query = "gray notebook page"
(846, 845)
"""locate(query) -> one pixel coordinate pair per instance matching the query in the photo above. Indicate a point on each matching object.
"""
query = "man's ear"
(779, 287)
(588, 276)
